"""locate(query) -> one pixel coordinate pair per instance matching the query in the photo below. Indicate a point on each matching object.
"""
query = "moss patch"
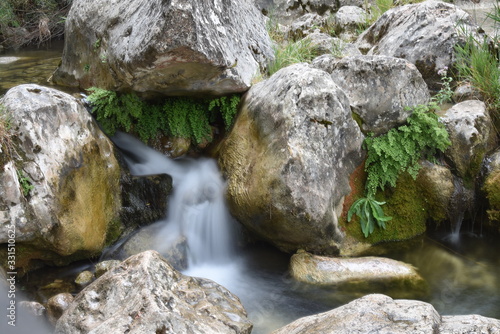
(492, 189)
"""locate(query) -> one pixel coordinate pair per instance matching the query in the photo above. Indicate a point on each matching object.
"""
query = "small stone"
(84, 278)
(102, 267)
(57, 304)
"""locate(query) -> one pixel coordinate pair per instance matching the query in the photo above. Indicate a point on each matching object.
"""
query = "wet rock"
(33, 308)
(84, 278)
(60, 187)
(379, 88)
(471, 133)
(425, 34)
(492, 188)
(57, 305)
(288, 159)
(186, 47)
(104, 266)
(146, 295)
(359, 274)
(377, 313)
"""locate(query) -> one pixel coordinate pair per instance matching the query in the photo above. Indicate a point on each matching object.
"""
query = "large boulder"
(59, 187)
(424, 34)
(146, 295)
(381, 314)
(288, 159)
(472, 135)
(379, 88)
(167, 47)
(358, 274)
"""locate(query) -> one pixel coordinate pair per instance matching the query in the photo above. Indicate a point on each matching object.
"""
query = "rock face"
(173, 47)
(472, 136)
(379, 88)
(322, 270)
(424, 34)
(146, 295)
(381, 314)
(492, 187)
(289, 157)
(328, 46)
(60, 152)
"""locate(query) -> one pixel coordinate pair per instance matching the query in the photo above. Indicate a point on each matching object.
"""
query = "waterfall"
(196, 209)
(460, 203)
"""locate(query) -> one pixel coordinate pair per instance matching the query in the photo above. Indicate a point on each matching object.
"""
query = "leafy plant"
(445, 93)
(370, 212)
(291, 53)
(176, 116)
(394, 153)
(477, 64)
(25, 182)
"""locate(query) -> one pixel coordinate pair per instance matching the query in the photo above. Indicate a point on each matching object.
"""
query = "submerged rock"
(425, 34)
(288, 159)
(472, 135)
(146, 295)
(57, 304)
(59, 186)
(379, 89)
(359, 274)
(166, 47)
(377, 313)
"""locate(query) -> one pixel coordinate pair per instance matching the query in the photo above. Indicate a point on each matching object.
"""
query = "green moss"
(404, 203)
(113, 232)
(492, 189)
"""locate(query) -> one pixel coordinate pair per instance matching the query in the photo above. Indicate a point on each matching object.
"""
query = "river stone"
(84, 278)
(379, 88)
(288, 159)
(466, 324)
(374, 313)
(355, 273)
(424, 34)
(472, 135)
(57, 304)
(167, 47)
(104, 266)
(71, 166)
(146, 295)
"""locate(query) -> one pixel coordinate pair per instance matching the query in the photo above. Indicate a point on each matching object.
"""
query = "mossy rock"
(492, 189)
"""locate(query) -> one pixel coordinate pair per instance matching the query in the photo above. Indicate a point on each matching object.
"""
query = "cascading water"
(460, 203)
(197, 211)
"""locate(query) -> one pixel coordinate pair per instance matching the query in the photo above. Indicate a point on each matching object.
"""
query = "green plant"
(370, 212)
(477, 64)
(291, 53)
(228, 107)
(25, 182)
(394, 153)
(176, 116)
(86, 68)
(5, 131)
(445, 93)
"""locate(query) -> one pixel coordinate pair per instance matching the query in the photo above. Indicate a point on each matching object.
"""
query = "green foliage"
(370, 212)
(400, 149)
(228, 107)
(445, 93)
(477, 64)
(25, 182)
(177, 116)
(5, 131)
(292, 53)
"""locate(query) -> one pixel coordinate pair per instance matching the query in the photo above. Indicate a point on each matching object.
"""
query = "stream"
(462, 273)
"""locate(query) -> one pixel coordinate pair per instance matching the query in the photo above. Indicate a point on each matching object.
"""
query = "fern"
(401, 149)
(228, 107)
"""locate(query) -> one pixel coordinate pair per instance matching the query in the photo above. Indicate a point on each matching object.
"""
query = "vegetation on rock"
(175, 116)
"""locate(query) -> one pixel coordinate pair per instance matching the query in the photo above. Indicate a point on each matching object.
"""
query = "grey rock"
(286, 11)
(424, 34)
(378, 313)
(379, 88)
(370, 314)
(328, 46)
(471, 133)
(172, 47)
(146, 295)
(305, 25)
(104, 266)
(466, 92)
(71, 166)
(57, 304)
(349, 19)
(288, 159)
